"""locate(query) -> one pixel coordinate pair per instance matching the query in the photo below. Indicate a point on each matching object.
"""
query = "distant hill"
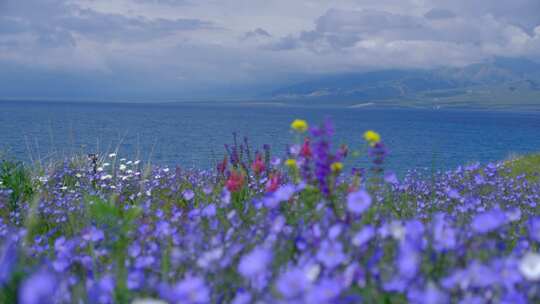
(500, 83)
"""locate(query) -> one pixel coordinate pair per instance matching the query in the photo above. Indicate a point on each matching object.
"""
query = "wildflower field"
(303, 227)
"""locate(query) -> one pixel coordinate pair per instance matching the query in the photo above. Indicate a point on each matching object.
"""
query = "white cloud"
(212, 44)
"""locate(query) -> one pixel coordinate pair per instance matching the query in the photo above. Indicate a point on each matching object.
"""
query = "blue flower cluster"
(114, 231)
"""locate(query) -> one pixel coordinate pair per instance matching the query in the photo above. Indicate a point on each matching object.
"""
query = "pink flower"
(258, 165)
(235, 181)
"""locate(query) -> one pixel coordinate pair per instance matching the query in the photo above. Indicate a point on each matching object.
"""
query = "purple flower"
(326, 291)
(514, 297)
(254, 263)
(283, 193)
(358, 202)
(93, 234)
(391, 178)
(8, 260)
(39, 288)
(488, 221)
(135, 279)
(191, 290)
(134, 250)
(188, 194)
(363, 236)
(408, 260)
(242, 297)
(430, 295)
(102, 291)
(534, 228)
(444, 236)
(209, 211)
(292, 283)
(61, 264)
(453, 193)
(331, 254)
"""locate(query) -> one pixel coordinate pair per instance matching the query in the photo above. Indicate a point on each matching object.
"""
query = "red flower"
(306, 149)
(235, 181)
(222, 165)
(258, 165)
(273, 183)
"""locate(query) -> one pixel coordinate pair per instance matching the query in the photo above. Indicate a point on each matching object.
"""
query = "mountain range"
(499, 83)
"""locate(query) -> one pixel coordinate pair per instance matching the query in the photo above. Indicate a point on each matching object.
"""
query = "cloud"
(256, 33)
(436, 35)
(62, 21)
(437, 13)
(191, 48)
(100, 26)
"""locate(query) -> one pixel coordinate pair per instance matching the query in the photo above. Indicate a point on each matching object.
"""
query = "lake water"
(194, 135)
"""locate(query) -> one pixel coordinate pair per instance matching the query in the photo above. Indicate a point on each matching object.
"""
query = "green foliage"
(117, 222)
(9, 292)
(16, 177)
(528, 165)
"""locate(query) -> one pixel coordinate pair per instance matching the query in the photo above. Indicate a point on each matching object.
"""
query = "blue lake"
(194, 135)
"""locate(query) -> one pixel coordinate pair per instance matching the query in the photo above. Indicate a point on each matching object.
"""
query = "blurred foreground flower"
(529, 266)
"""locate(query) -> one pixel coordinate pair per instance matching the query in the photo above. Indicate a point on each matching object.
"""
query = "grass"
(528, 165)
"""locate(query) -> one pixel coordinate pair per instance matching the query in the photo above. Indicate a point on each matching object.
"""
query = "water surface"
(194, 135)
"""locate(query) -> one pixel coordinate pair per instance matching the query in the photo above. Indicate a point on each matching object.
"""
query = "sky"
(219, 49)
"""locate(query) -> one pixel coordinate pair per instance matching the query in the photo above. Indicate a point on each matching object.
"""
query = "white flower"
(210, 256)
(99, 169)
(78, 175)
(129, 162)
(43, 179)
(166, 170)
(148, 193)
(106, 164)
(122, 167)
(397, 230)
(108, 176)
(313, 271)
(136, 162)
(529, 266)
(122, 159)
(112, 155)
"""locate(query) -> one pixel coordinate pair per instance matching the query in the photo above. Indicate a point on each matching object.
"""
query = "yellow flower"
(290, 163)
(336, 167)
(372, 137)
(299, 125)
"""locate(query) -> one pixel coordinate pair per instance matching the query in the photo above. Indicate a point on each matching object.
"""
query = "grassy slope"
(528, 165)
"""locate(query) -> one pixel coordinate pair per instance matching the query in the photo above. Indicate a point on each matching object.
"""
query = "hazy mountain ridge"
(502, 81)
